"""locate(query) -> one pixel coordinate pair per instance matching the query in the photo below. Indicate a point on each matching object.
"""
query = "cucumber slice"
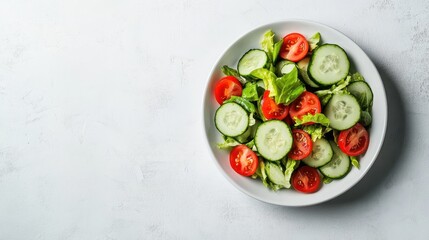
(275, 173)
(320, 155)
(328, 65)
(362, 92)
(285, 67)
(251, 60)
(273, 140)
(339, 166)
(343, 111)
(302, 67)
(231, 119)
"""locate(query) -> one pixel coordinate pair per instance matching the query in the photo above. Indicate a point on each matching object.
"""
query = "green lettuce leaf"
(357, 77)
(291, 165)
(340, 87)
(250, 144)
(276, 50)
(319, 118)
(267, 43)
(289, 87)
(269, 79)
(314, 40)
(228, 143)
(230, 71)
(316, 131)
(250, 91)
(355, 162)
(248, 106)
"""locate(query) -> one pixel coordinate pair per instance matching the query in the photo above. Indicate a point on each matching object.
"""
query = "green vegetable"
(355, 162)
(277, 47)
(275, 173)
(316, 118)
(230, 72)
(327, 180)
(316, 131)
(269, 79)
(365, 118)
(340, 87)
(248, 106)
(228, 143)
(291, 165)
(250, 144)
(250, 91)
(272, 49)
(289, 87)
(357, 77)
(284, 89)
(314, 41)
(267, 43)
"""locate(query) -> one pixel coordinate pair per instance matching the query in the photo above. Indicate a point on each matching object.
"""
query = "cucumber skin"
(370, 90)
(249, 76)
(321, 85)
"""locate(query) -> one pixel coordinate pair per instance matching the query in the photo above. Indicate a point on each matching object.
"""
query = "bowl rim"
(206, 93)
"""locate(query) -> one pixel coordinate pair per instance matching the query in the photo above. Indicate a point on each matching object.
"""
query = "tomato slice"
(294, 48)
(243, 160)
(306, 103)
(354, 141)
(226, 87)
(301, 146)
(271, 110)
(306, 179)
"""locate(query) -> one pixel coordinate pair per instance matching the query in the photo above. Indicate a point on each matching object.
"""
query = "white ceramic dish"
(360, 62)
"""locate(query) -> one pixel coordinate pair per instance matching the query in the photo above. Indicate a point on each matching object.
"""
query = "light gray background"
(101, 131)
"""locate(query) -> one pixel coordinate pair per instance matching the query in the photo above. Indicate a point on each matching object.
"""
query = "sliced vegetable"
(339, 165)
(243, 160)
(294, 48)
(273, 139)
(320, 155)
(343, 111)
(306, 179)
(252, 60)
(328, 65)
(306, 103)
(354, 141)
(271, 110)
(301, 146)
(231, 119)
(228, 86)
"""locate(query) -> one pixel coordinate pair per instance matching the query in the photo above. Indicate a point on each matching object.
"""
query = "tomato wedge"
(354, 141)
(301, 146)
(306, 179)
(226, 87)
(294, 48)
(306, 103)
(243, 160)
(271, 110)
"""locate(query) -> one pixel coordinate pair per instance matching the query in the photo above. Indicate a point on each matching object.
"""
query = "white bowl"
(359, 61)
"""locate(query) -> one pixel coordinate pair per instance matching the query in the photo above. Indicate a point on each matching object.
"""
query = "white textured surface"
(100, 122)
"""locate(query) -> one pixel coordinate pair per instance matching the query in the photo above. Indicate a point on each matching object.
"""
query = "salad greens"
(282, 78)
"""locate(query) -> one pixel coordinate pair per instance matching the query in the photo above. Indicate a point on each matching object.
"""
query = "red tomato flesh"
(294, 48)
(354, 141)
(306, 103)
(243, 160)
(271, 110)
(301, 146)
(226, 87)
(306, 179)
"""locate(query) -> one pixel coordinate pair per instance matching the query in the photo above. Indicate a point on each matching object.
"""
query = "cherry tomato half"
(271, 110)
(243, 160)
(294, 48)
(226, 87)
(306, 103)
(354, 141)
(306, 179)
(301, 146)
